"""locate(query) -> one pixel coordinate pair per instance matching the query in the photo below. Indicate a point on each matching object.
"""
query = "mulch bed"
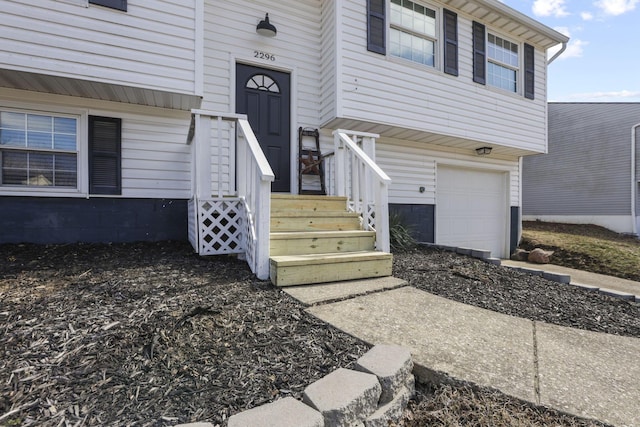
(508, 291)
(150, 334)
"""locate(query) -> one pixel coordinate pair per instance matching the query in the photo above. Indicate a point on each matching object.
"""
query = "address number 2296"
(264, 55)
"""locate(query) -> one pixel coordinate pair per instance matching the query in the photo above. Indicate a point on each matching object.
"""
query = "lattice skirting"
(220, 226)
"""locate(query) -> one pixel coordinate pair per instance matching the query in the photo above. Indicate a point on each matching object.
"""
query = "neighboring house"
(127, 120)
(590, 174)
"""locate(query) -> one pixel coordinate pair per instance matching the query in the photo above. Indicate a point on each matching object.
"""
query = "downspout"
(634, 185)
(558, 53)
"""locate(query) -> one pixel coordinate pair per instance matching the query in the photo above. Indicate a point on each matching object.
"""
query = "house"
(590, 173)
(128, 120)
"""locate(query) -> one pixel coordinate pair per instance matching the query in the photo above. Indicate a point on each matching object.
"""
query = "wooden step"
(289, 270)
(317, 242)
(314, 221)
(293, 202)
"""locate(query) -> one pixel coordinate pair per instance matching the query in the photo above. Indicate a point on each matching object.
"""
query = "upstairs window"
(38, 150)
(503, 63)
(413, 32)
(113, 4)
(498, 62)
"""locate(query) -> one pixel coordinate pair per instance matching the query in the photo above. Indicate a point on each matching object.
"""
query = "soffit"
(446, 142)
(16, 79)
(499, 16)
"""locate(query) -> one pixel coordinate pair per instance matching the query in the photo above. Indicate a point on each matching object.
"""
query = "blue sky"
(602, 60)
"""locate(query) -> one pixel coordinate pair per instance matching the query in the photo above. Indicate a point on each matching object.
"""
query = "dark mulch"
(507, 291)
(467, 405)
(150, 334)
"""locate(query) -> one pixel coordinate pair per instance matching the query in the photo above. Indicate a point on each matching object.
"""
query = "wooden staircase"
(315, 240)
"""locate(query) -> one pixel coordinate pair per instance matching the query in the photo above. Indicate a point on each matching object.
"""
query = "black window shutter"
(450, 42)
(479, 53)
(529, 72)
(105, 158)
(376, 27)
(113, 4)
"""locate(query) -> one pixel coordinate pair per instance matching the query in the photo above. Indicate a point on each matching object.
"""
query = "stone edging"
(374, 394)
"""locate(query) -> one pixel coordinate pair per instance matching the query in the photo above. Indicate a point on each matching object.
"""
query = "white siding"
(156, 161)
(412, 165)
(230, 37)
(329, 61)
(152, 45)
(388, 90)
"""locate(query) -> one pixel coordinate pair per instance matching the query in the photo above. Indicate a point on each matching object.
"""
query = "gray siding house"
(590, 173)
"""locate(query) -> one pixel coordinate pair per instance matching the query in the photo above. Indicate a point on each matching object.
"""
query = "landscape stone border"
(374, 394)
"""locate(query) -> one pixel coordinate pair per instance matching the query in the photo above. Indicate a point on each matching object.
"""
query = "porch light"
(266, 28)
(483, 151)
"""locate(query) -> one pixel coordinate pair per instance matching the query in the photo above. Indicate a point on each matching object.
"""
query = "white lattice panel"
(249, 240)
(221, 226)
(369, 217)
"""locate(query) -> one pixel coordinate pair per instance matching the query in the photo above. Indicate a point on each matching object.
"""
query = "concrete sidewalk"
(588, 374)
(579, 277)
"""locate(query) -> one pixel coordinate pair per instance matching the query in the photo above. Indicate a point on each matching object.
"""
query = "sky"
(602, 60)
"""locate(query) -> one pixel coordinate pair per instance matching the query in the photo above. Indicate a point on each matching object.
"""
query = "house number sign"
(264, 55)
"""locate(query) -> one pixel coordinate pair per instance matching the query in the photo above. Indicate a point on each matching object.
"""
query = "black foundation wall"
(515, 225)
(69, 220)
(419, 218)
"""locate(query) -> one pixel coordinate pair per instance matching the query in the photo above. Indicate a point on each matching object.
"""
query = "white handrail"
(363, 182)
(252, 187)
(266, 173)
(358, 152)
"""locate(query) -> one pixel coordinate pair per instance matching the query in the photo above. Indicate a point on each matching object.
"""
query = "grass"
(588, 247)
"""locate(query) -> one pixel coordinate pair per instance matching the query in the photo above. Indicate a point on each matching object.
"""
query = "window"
(113, 4)
(502, 63)
(413, 32)
(498, 62)
(38, 150)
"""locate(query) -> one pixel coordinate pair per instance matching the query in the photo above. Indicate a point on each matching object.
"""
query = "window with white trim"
(503, 62)
(38, 150)
(413, 32)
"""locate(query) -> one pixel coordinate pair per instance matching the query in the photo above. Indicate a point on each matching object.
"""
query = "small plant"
(400, 233)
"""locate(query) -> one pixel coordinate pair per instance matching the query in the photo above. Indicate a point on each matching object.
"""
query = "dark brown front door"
(264, 96)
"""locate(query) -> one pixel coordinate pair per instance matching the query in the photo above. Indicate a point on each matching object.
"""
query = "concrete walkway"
(593, 280)
(588, 374)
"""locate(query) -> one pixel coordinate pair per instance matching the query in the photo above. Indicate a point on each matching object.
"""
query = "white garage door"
(471, 209)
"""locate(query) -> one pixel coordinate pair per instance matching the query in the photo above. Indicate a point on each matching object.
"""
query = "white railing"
(231, 216)
(254, 187)
(360, 179)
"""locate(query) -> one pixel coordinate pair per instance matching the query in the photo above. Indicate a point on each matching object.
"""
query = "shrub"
(400, 233)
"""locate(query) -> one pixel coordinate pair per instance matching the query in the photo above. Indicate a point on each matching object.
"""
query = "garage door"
(471, 209)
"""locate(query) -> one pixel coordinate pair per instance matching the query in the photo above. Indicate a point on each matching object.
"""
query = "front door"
(263, 95)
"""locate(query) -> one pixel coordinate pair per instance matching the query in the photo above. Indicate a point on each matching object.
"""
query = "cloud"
(551, 8)
(620, 96)
(586, 16)
(616, 7)
(575, 47)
